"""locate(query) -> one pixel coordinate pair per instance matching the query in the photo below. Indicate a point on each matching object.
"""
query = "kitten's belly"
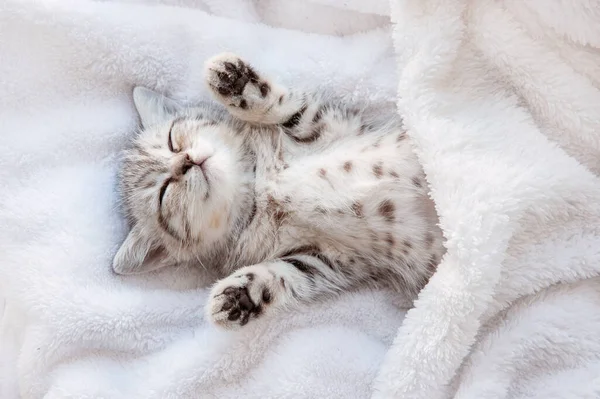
(339, 175)
(364, 195)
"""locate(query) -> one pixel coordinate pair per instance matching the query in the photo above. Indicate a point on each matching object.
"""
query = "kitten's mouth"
(201, 175)
(204, 171)
(195, 166)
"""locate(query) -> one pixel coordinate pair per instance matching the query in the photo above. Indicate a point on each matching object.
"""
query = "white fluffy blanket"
(503, 100)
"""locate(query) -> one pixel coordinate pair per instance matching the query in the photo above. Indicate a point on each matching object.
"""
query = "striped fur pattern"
(291, 196)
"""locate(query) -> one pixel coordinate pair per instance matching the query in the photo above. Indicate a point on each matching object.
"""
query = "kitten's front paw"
(234, 81)
(240, 297)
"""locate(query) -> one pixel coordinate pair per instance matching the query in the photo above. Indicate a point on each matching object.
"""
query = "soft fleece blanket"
(503, 102)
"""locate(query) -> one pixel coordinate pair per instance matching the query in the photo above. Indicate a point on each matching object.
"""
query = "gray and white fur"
(291, 196)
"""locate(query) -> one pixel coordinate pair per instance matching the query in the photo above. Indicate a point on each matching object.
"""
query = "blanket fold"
(483, 97)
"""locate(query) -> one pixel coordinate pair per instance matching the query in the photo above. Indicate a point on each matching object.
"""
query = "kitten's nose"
(197, 159)
(184, 162)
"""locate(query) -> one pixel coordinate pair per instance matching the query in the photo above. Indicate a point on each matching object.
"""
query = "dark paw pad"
(233, 77)
(239, 305)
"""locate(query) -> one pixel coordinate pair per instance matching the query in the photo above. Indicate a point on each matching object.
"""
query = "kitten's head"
(185, 184)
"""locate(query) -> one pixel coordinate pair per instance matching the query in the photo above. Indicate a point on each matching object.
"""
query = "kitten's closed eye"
(163, 190)
(170, 139)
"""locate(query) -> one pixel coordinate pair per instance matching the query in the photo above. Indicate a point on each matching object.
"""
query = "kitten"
(292, 195)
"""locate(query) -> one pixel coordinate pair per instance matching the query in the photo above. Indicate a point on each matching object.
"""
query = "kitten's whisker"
(200, 262)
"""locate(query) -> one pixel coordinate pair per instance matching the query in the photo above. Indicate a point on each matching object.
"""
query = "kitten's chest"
(339, 174)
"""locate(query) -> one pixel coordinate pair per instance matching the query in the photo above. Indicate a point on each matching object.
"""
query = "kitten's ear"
(152, 107)
(139, 254)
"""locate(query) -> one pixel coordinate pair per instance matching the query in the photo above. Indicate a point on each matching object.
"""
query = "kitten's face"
(184, 185)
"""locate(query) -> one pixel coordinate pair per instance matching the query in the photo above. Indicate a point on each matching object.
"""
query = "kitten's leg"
(254, 291)
(247, 95)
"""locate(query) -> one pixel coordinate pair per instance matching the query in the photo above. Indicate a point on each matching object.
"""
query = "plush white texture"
(497, 95)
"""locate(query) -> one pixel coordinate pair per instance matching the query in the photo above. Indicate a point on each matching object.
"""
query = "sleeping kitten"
(293, 196)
